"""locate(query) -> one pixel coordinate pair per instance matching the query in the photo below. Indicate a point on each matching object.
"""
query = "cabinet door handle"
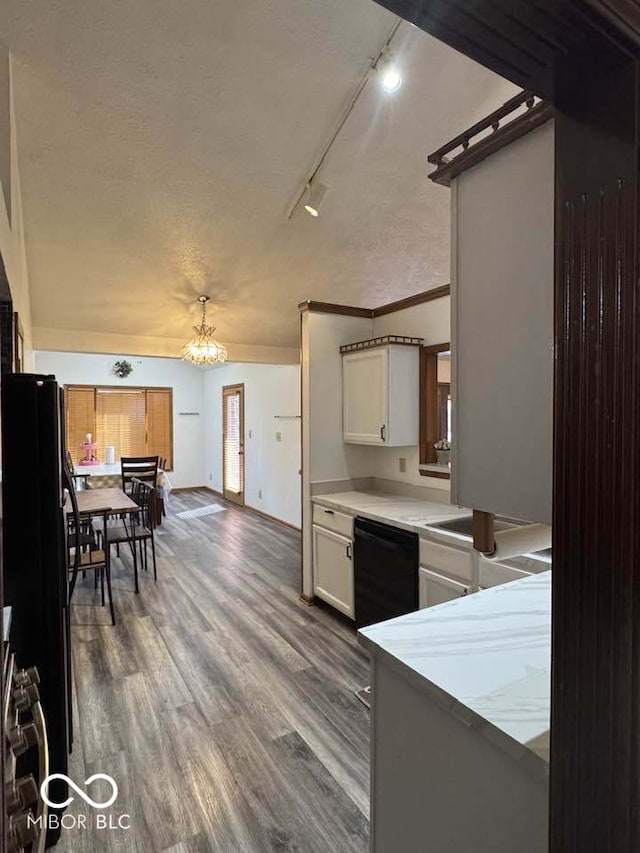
(383, 432)
(349, 551)
(328, 511)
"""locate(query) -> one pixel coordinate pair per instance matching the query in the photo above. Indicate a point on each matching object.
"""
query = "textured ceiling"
(162, 143)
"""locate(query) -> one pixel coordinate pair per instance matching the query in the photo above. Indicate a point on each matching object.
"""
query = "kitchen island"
(460, 723)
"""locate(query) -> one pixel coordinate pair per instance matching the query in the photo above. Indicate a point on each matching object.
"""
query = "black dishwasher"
(385, 568)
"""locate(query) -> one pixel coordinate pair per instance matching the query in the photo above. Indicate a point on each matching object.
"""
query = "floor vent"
(211, 509)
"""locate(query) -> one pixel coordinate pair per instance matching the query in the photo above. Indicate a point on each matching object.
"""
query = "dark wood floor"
(223, 707)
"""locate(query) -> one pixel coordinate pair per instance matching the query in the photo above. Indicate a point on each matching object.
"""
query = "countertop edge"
(420, 529)
(522, 754)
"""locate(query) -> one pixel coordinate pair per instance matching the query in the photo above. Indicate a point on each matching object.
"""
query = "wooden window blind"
(160, 424)
(80, 408)
(121, 422)
(136, 421)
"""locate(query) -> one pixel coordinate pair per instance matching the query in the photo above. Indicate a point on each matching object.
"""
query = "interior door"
(233, 443)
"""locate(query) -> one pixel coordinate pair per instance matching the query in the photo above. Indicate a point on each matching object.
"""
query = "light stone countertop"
(407, 513)
(486, 657)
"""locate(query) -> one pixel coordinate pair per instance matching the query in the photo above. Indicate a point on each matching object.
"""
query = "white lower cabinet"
(436, 589)
(333, 569)
(495, 574)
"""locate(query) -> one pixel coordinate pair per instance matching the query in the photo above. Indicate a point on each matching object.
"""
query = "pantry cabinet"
(380, 387)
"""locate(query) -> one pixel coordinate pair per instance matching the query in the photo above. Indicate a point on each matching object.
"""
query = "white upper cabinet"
(502, 330)
(381, 392)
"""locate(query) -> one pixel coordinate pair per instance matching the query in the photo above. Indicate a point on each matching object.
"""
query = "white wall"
(331, 458)
(431, 321)
(325, 456)
(272, 479)
(186, 380)
(502, 280)
(12, 240)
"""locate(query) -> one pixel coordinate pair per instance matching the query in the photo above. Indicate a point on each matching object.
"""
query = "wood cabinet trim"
(353, 311)
(410, 301)
(500, 138)
(438, 475)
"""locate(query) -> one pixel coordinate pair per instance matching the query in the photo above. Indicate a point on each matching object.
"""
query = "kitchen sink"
(464, 526)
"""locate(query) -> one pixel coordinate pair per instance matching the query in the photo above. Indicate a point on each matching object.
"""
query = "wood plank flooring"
(223, 707)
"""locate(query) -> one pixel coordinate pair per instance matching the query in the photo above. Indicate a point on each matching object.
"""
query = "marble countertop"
(486, 657)
(407, 513)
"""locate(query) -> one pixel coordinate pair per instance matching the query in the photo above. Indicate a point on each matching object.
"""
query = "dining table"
(95, 499)
(101, 476)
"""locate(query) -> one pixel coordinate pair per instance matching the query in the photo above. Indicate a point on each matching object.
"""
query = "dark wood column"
(583, 57)
(596, 548)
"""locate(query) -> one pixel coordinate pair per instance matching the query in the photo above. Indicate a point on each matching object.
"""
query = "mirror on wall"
(444, 395)
(435, 404)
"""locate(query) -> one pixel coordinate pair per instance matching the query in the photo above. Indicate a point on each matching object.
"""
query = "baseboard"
(213, 491)
(271, 518)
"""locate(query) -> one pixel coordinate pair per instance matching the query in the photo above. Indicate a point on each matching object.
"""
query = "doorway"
(233, 443)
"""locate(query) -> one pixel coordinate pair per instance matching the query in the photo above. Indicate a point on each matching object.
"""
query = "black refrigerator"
(35, 572)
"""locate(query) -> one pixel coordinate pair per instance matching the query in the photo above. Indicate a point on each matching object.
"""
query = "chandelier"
(203, 348)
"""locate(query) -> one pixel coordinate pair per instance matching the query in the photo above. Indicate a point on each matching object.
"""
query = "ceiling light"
(204, 349)
(315, 196)
(389, 74)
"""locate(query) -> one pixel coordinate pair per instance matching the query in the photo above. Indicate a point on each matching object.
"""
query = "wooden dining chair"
(83, 554)
(80, 480)
(143, 468)
(136, 528)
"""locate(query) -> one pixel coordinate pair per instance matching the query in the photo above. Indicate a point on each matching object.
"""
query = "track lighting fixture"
(315, 196)
(388, 74)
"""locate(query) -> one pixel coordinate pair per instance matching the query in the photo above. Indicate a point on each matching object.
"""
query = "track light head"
(315, 196)
(388, 74)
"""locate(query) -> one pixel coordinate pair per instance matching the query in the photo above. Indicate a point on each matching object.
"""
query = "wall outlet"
(278, 436)
(259, 494)
(403, 465)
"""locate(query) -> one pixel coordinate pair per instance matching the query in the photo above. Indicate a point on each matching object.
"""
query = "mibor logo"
(89, 821)
(44, 791)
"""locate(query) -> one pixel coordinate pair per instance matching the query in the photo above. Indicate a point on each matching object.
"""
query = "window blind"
(136, 421)
(80, 408)
(232, 448)
(160, 424)
(120, 421)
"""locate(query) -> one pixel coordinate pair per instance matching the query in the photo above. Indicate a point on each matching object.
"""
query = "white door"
(436, 589)
(365, 396)
(333, 569)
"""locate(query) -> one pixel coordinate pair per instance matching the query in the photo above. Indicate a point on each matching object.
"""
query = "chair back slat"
(144, 468)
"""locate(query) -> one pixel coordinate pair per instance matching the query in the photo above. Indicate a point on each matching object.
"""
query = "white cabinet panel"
(502, 330)
(494, 574)
(381, 394)
(436, 589)
(333, 569)
(333, 520)
(449, 561)
(365, 390)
